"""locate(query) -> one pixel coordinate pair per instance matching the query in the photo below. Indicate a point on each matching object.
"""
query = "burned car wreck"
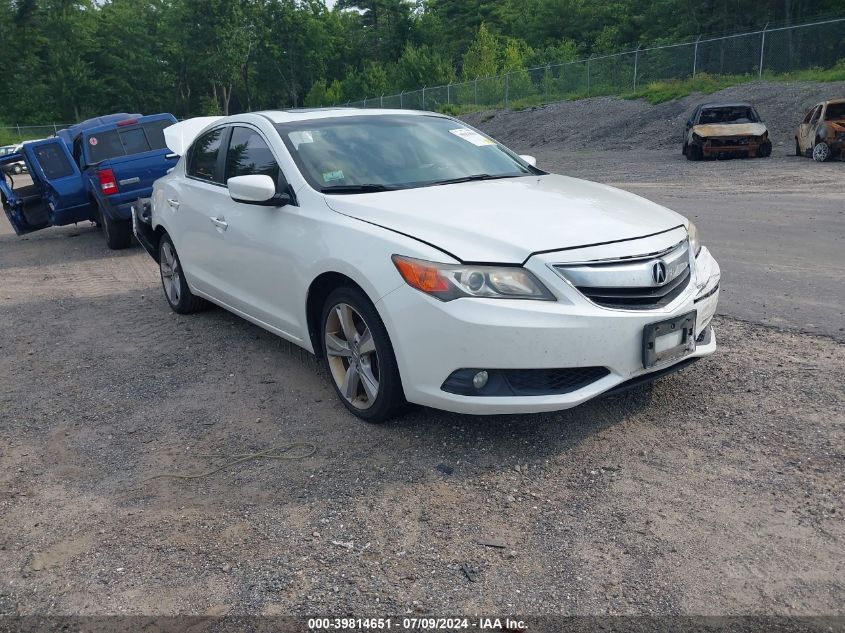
(821, 133)
(722, 130)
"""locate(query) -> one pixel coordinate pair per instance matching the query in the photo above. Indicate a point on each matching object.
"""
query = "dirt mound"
(608, 123)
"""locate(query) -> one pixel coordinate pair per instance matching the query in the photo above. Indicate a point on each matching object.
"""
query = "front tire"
(798, 151)
(118, 233)
(765, 150)
(17, 169)
(359, 356)
(176, 290)
(694, 152)
(821, 152)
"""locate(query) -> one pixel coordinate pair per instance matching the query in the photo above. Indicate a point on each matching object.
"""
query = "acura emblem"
(658, 271)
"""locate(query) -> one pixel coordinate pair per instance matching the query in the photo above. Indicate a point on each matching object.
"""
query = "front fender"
(362, 252)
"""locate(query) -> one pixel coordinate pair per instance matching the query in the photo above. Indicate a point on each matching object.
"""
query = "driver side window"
(249, 154)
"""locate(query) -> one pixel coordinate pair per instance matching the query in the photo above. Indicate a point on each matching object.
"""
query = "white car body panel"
(505, 221)
(263, 263)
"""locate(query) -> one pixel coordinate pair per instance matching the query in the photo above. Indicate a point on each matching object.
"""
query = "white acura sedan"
(425, 262)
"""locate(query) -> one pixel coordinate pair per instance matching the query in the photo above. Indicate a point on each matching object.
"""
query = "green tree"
(420, 66)
(482, 56)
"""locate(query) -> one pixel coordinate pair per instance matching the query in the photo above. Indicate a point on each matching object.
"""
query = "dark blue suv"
(91, 171)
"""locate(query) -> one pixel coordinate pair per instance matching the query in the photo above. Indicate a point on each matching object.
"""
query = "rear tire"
(359, 357)
(176, 290)
(118, 233)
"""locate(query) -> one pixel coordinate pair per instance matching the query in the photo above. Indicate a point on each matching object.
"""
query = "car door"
(57, 195)
(256, 268)
(690, 123)
(190, 206)
(806, 131)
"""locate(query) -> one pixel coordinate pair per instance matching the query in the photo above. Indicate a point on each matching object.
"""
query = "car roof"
(70, 133)
(829, 101)
(141, 118)
(727, 104)
(306, 114)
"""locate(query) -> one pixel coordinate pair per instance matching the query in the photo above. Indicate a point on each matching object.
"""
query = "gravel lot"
(612, 124)
(719, 490)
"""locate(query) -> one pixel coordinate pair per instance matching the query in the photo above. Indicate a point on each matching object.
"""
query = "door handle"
(173, 203)
(220, 223)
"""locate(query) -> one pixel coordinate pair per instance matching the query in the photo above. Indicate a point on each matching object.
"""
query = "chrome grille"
(643, 282)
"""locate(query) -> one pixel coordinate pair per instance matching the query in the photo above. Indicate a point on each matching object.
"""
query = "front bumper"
(730, 146)
(432, 339)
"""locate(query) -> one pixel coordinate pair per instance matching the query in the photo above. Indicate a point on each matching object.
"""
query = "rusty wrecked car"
(723, 130)
(821, 134)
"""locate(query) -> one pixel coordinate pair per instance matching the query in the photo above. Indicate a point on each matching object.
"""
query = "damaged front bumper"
(717, 147)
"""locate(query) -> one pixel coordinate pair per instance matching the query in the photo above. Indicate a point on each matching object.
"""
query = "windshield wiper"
(366, 188)
(474, 177)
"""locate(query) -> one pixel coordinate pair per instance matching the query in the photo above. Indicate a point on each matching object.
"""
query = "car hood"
(507, 220)
(730, 129)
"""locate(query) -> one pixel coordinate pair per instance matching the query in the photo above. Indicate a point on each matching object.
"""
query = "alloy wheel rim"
(352, 356)
(820, 152)
(170, 274)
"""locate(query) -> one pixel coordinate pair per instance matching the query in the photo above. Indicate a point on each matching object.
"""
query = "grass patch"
(662, 91)
(654, 92)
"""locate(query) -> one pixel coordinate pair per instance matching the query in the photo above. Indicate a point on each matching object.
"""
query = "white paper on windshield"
(471, 136)
(300, 137)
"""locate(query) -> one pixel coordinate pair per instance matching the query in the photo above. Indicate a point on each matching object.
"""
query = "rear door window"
(53, 161)
(202, 162)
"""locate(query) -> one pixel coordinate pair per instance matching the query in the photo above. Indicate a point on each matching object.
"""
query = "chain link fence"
(12, 134)
(769, 51)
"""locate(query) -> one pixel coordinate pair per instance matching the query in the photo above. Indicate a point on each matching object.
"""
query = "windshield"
(377, 152)
(732, 114)
(835, 112)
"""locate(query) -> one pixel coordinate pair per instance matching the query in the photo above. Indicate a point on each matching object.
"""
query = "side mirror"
(529, 159)
(256, 189)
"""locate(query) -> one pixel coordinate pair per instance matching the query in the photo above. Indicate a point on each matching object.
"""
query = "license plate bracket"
(668, 340)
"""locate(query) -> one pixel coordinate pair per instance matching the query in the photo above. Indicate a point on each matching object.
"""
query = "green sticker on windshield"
(328, 176)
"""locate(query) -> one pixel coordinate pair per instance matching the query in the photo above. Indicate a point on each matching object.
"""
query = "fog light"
(480, 379)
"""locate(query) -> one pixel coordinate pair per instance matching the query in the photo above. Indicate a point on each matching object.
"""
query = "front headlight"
(694, 240)
(453, 281)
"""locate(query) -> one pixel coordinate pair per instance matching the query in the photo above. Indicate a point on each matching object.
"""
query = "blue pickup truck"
(92, 171)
